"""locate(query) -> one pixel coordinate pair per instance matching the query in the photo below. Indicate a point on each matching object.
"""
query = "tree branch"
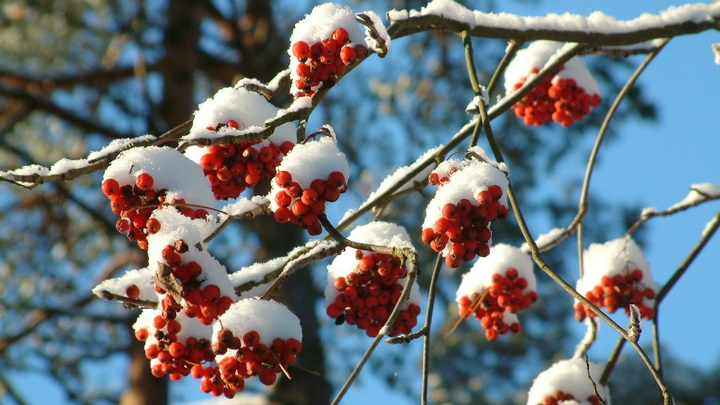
(594, 31)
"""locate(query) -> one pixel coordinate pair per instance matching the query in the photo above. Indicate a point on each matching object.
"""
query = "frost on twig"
(67, 169)
(376, 36)
(269, 90)
(699, 193)
(634, 328)
(320, 250)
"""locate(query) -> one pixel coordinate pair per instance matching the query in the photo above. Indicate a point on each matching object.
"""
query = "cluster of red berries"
(368, 295)
(205, 303)
(174, 357)
(302, 206)
(323, 62)
(231, 168)
(560, 397)
(464, 226)
(135, 203)
(249, 358)
(616, 292)
(489, 306)
(560, 100)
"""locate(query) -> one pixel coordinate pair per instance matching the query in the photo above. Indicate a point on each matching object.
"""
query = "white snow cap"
(619, 256)
(169, 169)
(248, 108)
(472, 177)
(322, 21)
(501, 258)
(375, 233)
(540, 53)
(269, 319)
(570, 377)
(309, 161)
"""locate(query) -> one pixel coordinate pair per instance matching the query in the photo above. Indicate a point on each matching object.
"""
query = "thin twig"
(474, 82)
(597, 394)
(427, 327)
(510, 52)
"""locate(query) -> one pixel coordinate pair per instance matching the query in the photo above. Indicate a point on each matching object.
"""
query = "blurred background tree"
(75, 75)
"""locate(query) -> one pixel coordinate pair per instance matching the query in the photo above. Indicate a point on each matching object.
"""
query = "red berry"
(283, 215)
(309, 196)
(110, 187)
(132, 291)
(211, 293)
(144, 181)
(153, 225)
(337, 180)
(341, 35)
(348, 55)
(251, 338)
(301, 50)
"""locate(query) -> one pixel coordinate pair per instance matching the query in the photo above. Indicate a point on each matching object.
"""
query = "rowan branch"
(596, 31)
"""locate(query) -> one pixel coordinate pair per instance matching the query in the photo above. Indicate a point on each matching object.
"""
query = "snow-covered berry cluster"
(364, 287)
(616, 275)
(471, 194)
(141, 180)
(567, 382)
(197, 324)
(304, 183)
(231, 168)
(173, 346)
(565, 97)
(322, 45)
(254, 338)
(496, 288)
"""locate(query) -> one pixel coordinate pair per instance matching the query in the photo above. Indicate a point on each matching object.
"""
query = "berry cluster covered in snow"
(364, 287)
(496, 288)
(231, 168)
(192, 328)
(322, 45)
(566, 383)
(141, 180)
(313, 173)
(254, 338)
(565, 97)
(616, 275)
(471, 194)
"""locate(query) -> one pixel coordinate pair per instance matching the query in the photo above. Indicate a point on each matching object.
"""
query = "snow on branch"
(66, 169)
(596, 29)
(699, 194)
